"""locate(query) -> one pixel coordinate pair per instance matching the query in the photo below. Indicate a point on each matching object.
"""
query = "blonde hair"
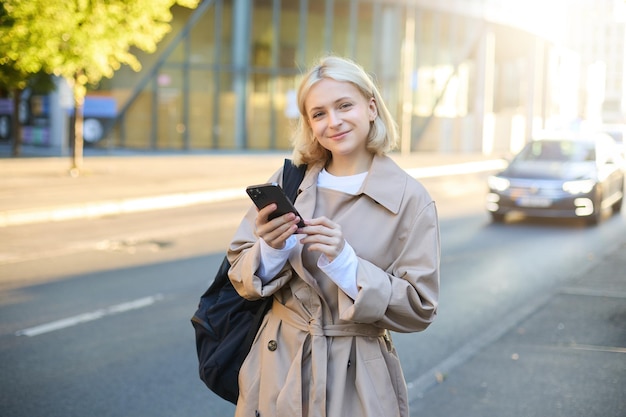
(383, 134)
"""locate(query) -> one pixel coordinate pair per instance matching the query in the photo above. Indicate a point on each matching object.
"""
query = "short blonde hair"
(383, 134)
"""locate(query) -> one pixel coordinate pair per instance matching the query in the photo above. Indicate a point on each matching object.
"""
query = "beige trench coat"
(343, 362)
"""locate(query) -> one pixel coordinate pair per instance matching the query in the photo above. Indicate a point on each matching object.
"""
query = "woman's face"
(340, 117)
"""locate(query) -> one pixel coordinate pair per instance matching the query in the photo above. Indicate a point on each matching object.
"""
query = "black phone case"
(265, 194)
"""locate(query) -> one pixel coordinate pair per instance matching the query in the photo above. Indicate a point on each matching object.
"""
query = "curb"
(96, 209)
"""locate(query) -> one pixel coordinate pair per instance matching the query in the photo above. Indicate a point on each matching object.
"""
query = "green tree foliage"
(81, 40)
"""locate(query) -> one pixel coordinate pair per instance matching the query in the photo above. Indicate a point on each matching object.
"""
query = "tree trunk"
(16, 127)
(77, 148)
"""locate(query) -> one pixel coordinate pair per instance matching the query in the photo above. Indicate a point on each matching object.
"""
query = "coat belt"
(319, 354)
(314, 328)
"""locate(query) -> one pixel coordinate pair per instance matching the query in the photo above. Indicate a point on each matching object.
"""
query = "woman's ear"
(373, 111)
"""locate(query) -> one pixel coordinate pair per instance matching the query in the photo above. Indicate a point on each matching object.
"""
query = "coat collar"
(385, 182)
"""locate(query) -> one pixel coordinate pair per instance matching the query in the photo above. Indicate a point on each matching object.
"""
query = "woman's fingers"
(276, 231)
(323, 235)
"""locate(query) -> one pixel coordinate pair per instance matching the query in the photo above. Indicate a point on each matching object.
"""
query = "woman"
(366, 262)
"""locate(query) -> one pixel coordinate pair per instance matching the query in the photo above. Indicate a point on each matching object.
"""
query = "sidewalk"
(565, 359)
(39, 189)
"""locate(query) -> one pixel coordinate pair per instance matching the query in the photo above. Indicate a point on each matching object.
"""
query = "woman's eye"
(345, 105)
(316, 115)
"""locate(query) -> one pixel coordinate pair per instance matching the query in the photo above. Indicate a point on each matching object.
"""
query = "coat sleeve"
(403, 298)
(244, 255)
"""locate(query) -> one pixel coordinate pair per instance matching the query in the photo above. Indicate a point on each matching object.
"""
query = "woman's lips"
(339, 135)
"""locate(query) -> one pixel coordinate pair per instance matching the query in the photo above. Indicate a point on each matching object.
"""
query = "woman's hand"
(323, 235)
(276, 231)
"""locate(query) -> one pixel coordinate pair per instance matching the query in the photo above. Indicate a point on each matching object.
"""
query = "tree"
(14, 81)
(81, 41)
(12, 84)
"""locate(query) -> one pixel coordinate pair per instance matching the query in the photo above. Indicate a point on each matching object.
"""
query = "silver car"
(560, 175)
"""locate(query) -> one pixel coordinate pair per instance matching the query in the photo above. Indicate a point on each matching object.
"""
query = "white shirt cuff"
(273, 260)
(342, 270)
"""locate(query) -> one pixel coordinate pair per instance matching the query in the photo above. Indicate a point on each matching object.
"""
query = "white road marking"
(91, 316)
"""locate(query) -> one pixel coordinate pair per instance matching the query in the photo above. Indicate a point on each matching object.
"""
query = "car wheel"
(617, 206)
(497, 217)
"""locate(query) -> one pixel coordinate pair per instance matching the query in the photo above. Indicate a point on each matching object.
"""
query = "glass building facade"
(458, 76)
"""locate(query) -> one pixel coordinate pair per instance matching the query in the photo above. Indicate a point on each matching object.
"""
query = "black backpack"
(225, 324)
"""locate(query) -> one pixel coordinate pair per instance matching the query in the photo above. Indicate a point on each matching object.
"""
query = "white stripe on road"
(94, 315)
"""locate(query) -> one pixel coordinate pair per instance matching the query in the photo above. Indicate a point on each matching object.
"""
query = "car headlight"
(498, 183)
(579, 186)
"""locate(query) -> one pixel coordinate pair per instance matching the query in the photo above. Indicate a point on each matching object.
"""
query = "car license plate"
(534, 202)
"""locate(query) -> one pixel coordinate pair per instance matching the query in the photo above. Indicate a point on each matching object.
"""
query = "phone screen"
(264, 194)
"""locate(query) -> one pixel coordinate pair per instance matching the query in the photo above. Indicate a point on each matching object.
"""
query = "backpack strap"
(292, 177)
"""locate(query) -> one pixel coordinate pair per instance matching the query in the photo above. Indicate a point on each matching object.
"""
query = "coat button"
(272, 345)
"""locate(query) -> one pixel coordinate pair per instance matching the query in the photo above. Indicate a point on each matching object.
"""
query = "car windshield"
(559, 151)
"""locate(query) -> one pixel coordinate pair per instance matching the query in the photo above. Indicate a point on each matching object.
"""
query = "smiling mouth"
(339, 135)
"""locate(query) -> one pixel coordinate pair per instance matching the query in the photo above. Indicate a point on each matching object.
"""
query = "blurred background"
(458, 75)
(101, 272)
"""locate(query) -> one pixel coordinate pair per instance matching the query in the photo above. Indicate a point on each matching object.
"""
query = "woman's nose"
(334, 119)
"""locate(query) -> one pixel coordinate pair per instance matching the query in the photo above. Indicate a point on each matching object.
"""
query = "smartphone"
(265, 194)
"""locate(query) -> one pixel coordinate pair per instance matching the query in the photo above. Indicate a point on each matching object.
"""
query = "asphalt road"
(101, 327)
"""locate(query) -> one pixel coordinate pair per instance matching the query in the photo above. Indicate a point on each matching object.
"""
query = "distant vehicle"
(560, 175)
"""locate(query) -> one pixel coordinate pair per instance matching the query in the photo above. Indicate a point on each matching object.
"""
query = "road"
(94, 314)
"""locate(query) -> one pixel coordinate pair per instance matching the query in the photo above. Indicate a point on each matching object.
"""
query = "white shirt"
(342, 270)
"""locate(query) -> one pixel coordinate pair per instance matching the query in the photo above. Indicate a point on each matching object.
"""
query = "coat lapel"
(385, 183)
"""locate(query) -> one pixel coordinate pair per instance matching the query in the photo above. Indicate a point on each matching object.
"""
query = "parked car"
(560, 175)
